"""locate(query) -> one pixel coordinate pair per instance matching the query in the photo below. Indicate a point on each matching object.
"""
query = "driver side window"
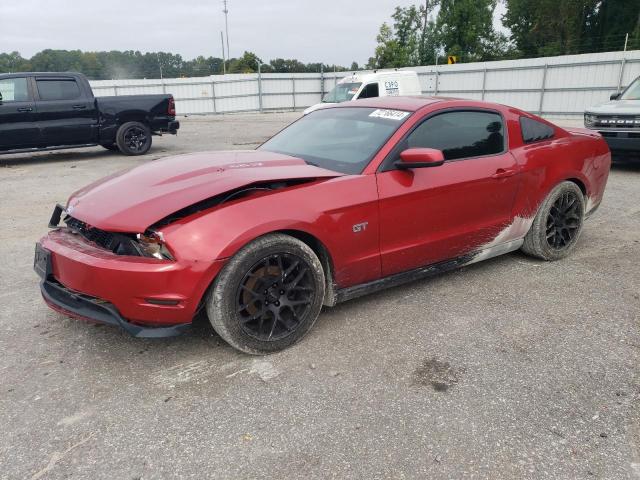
(460, 134)
(14, 90)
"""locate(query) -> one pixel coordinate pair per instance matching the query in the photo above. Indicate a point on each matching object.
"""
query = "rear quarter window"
(534, 131)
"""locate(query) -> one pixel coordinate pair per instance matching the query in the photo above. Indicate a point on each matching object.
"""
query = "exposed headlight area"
(150, 244)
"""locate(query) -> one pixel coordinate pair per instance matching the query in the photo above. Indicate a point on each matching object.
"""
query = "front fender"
(326, 210)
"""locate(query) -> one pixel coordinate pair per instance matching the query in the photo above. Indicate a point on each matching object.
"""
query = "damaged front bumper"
(146, 297)
(85, 307)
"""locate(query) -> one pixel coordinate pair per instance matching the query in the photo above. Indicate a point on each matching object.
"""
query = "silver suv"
(618, 121)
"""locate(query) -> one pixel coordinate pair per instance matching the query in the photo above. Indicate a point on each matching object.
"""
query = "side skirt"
(401, 278)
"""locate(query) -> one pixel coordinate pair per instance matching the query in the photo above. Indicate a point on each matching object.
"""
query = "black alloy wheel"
(135, 138)
(268, 295)
(564, 220)
(557, 225)
(274, 296)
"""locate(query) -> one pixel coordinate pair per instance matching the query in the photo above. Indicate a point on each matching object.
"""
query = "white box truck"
(367, 85)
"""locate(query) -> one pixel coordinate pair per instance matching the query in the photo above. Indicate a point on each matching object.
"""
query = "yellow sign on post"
(451, 59)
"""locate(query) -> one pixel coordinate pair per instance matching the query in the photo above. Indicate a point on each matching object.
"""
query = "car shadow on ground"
(202, 333)
(20, 159)
(59, 156)
(395, 294)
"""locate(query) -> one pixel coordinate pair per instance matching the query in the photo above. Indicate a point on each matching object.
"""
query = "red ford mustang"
(345, 201)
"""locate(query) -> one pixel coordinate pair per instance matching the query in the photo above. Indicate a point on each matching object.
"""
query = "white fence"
(553, 86)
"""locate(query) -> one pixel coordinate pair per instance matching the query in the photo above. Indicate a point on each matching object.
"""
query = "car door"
(18, 128)
(428, 215)
(66, 115)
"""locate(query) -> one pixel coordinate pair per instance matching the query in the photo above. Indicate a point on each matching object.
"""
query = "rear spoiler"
(583, 131)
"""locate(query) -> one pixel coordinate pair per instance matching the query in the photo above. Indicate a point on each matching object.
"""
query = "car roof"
(38, 74)
(407, 103)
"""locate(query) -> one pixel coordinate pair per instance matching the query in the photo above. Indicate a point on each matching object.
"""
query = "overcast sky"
(329, 31)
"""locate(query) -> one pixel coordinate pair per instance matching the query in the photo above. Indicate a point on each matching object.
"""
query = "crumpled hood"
(133, 200)
(616, 107)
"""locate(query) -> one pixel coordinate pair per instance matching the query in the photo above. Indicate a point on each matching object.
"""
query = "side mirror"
(615, 96)
(420, 158)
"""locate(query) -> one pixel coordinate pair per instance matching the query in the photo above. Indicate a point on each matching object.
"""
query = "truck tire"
(268, 295)
(133, 138)
(557, 226)
(110, 146)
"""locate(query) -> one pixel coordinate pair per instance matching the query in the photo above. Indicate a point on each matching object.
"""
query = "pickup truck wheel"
(268, 296)
(110, 146)
(133, 138)
(557, 225)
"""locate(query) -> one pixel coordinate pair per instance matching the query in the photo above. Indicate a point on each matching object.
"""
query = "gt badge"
(360, 227)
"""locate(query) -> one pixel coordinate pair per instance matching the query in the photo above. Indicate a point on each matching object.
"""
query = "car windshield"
(340, 139)
(341, 93)
(633, 92)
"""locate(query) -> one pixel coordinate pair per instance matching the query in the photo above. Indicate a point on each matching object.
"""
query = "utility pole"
(626, 40)
(224, 62)
(159, 65)
(226, 25)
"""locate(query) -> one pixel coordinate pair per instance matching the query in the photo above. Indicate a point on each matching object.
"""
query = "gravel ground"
(510, 368)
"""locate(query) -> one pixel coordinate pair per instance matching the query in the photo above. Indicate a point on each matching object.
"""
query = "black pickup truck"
(49, 111)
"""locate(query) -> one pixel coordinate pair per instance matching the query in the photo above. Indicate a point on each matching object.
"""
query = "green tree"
(56, 61)
(551, 27)
(388, 53)
(465, 29)
(313, 67)
(410, 41)
(611, 21)
(13, 62)
(281, 65)
(201, 66)
(134, 64)
(407, 25)
(429, 39)
(248, 63)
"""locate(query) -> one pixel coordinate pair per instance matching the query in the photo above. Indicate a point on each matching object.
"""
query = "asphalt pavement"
(510, 368)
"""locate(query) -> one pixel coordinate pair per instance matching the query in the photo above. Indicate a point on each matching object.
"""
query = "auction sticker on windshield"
(389, 114)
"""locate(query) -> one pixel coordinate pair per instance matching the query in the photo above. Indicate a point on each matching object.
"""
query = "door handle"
(79, 107)
(504, 173)
(25, 109)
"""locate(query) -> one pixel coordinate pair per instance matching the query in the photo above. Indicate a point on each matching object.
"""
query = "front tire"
(558, 224)
(268, 296)
(133, 138)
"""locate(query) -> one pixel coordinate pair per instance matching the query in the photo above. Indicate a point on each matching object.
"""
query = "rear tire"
(133, 138)
(268, 296)
(558, 224)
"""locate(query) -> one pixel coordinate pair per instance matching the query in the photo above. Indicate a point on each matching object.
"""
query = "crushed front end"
(131, 280)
